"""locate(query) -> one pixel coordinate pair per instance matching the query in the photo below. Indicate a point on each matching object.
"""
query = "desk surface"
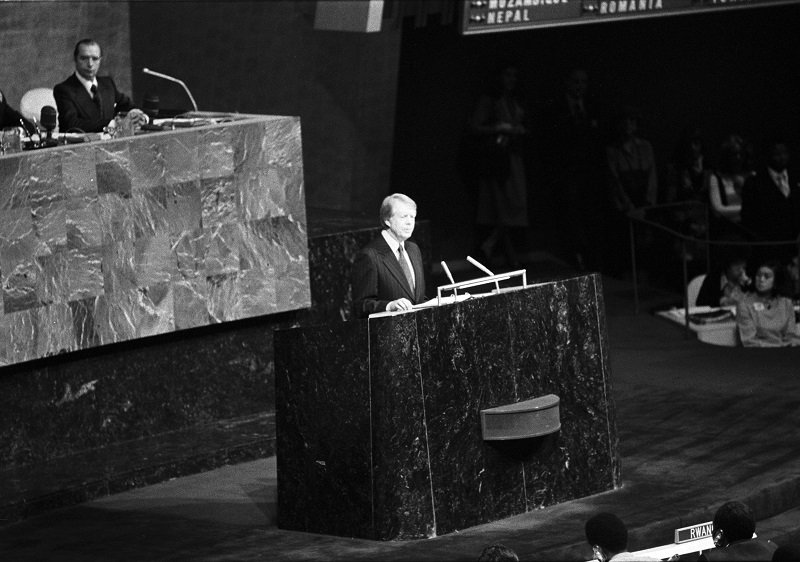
(721, 332)
(715, 333)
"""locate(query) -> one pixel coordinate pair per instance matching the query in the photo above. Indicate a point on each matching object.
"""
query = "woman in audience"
(687, 174)
(725, 184)
(498, 123)
(765, 318)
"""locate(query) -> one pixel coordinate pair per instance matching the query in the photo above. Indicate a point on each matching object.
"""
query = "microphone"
(447, 271)
(171, 79)
(49, 121)
(150, 106)
(475, 262)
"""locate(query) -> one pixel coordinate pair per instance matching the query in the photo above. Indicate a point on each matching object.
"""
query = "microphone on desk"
(49, 120)
(477, 264)
(171, 79)
(447, 271)
(150, 106)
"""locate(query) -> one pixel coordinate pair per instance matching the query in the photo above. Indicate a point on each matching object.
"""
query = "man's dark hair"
(498, 553)
(607, 531)
(736, 520)
(86, 41)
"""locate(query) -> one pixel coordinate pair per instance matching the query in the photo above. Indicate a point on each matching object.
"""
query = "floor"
(698, 425)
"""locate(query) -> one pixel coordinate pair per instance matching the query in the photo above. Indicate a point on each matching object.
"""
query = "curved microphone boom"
(171, 79)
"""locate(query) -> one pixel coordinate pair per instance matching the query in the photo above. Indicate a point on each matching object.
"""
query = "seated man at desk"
(726, 288)
(387, 273)
(10, 117)
(89, 102)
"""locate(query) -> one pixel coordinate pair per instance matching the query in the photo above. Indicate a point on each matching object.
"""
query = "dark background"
(732, 71)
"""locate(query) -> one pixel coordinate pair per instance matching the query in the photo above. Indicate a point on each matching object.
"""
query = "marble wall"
(116, 240)
(68, 422)
(383, 416)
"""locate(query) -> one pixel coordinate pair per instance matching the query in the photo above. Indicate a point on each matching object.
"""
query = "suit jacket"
(766, 212)
(752, 549)
(377, 278)
(77, 109)
(10, 117)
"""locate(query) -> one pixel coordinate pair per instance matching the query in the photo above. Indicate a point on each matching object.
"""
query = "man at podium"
(387, 273)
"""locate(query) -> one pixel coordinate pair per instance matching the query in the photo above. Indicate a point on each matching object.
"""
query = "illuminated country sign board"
(488, 16)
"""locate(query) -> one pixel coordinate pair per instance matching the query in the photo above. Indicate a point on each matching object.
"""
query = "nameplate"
(693, 533)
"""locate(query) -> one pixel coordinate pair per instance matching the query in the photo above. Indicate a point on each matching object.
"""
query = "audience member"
(608, 538)
(726, 287)
(732, 530)
(686, 183)
(573, 164)
(498, 553)
(765, 318)
(771, 199)
(10, 117)
(89, 102)
(632, 165)
(632, 185)
(498, 121)
(688, 172)
(787, 553)
(725, 183)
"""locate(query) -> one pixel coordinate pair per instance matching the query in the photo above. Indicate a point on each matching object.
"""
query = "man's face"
(87, 63)
(401, 223)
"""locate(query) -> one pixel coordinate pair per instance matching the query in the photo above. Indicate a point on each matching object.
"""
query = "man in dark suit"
(10, 117)
(387, 274)
(771, 200)
(732, 530)
(89, 102)
(573, 165)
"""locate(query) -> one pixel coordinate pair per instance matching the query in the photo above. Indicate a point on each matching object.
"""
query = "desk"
(715, 333)
(113, 240)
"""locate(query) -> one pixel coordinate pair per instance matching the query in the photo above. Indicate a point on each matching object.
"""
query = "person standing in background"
(498, 125)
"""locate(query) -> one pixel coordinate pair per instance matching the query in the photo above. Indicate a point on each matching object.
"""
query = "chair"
(32, 102)
(693, 289)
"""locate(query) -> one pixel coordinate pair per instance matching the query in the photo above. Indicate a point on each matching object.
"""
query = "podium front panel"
(428, 375)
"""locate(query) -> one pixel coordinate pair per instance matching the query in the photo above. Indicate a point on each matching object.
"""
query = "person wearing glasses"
(88, 102)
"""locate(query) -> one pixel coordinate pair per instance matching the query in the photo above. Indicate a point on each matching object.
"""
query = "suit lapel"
(393, 265)
(419, 276)
(85, 101)
(107, 98)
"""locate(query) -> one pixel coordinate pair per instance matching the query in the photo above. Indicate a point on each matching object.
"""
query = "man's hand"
(399, 304)
(138, 117)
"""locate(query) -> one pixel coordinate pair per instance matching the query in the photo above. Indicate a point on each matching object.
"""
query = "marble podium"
(378, 430)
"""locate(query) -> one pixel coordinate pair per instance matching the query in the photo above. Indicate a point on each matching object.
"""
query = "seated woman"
(726, 288)
(764, 318)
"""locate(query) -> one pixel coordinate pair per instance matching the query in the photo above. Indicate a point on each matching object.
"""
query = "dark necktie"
(405, 268)
(96, 98)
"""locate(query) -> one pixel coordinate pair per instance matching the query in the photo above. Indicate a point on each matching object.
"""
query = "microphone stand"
(171, 79)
